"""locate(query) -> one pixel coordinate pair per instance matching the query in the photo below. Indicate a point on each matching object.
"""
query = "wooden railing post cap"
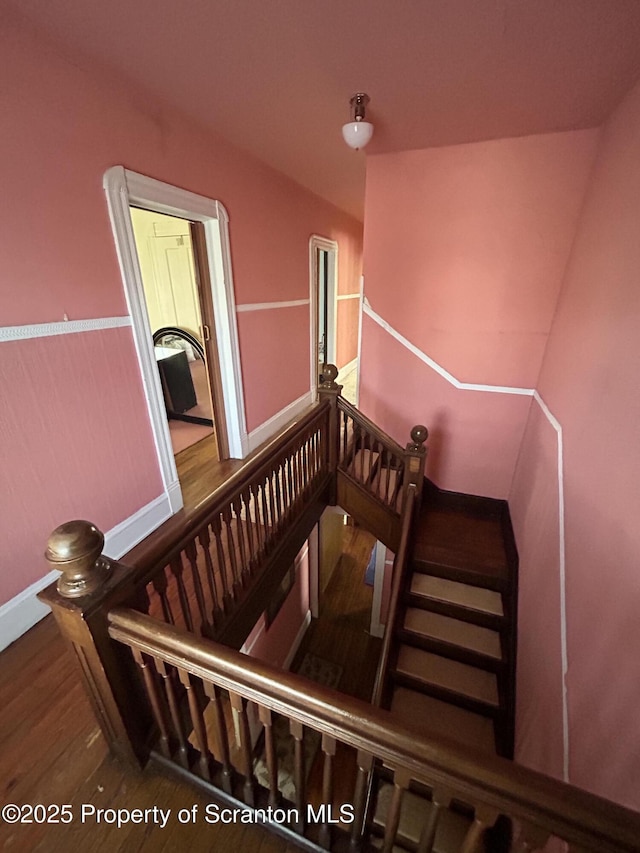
(419, 434)
(75, 550)
(328, 376)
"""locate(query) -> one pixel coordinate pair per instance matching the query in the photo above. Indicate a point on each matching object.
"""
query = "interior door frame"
(331, 247)
(123, 189)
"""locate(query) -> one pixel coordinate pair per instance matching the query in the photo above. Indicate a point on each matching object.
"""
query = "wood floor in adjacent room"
(52, 751)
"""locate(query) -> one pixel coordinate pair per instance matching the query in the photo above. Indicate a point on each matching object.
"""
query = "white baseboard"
(296, 643)
(24, 610)
(347, 369)
(275, 424)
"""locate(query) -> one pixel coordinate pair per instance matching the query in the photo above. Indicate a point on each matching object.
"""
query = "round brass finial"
(419, 434)
(75, 549)
(328, 376)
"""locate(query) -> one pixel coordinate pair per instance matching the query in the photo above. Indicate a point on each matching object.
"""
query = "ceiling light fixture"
(357, 132)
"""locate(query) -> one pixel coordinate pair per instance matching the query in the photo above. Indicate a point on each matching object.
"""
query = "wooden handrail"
(370, 427)
(159, 544)
(486, 782)
(400, 565)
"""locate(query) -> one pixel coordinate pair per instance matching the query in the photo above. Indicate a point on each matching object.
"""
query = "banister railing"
(209, 571)
(199, 577)
(543, 807)
(400, 568)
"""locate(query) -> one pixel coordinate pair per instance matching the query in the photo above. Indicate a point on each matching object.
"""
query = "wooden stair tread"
(461, 540)
(430, 715)
(415, 811)
(461, 594)
(448, 674)
(483, 641)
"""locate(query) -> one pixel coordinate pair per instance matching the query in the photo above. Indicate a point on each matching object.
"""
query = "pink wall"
(465, 248)
(273, 645)
(68, 123)
(347, 337)
(534, 504)
(589, 381)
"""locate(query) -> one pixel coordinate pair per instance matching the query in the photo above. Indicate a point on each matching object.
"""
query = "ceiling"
(275, 76)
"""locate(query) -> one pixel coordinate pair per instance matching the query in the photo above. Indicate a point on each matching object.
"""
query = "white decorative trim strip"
(555, 423)
(463, 386)
(299, 638)
(267, 306)
(24, 610)
(64, 327)
(342, 296)
(275, 423)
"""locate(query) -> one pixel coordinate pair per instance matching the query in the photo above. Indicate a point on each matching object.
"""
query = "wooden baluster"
(149, 678)
(176, 570)
(307, 466)
(388, 480)
(199, 728)
(192, 555)
(299, 775)
(329, 751)
(205, 543)
(294, 481)
(266, 718)
(274, 506)
(375, 486)
(440, 800)
(238, 705)
(362, 449)
(174, 710)
(278, 485)
(216, 526)
(160, 585)
(212, 692)
(253, 546)
(231, 551)
(316, 453)
(265, 515)
(290, 492)
(401, 781)
(531, 838)
(259, 530)
(365, 763)
(485, 817)
(245, 573)
(345, 438)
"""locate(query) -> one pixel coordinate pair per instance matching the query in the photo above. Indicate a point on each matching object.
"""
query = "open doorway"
(324, 264)
(182, 324)
(210, 236)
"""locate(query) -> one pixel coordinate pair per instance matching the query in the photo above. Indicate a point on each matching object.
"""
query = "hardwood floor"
(52, 752)
(341, 635)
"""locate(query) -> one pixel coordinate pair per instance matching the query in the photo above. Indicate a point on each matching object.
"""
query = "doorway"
(210, 236)
(323, 259)
(182, 324)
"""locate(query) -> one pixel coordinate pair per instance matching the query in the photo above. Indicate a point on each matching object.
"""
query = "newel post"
(328, 389)
(90, 585)
(415, 458)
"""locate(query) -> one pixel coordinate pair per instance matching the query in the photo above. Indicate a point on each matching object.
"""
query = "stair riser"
(459, 699)
(456, 611)
(452, 573)
(454, 652)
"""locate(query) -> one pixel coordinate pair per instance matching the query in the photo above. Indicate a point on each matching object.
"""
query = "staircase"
(452, 659)
(453, 653)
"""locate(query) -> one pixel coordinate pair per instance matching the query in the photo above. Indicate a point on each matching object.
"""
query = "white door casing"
(124, 188)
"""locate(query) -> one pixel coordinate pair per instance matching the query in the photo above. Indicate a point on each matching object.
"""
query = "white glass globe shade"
(357, 133)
